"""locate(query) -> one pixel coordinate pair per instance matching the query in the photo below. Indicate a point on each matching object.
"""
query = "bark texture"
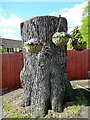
(44, 76)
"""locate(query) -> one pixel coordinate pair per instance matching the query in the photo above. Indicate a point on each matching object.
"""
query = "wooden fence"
(78, 64)
(12, 64)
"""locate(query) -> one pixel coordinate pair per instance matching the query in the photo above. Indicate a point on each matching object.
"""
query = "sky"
(14, 13)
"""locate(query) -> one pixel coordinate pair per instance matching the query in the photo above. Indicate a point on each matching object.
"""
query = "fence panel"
(89, 60)
(12, 63)
(0, 71)
(78, 64)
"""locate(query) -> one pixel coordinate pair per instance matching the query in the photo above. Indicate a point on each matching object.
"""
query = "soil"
(14, 98)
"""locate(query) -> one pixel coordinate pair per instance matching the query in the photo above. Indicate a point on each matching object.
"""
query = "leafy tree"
(85, 27)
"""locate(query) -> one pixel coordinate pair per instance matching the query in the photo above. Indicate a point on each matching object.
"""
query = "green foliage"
(69, 45)
(85, 27)
(26, 44)
(76, 38)
(33, 44)
(76, 34)
(3, 50)
(61, 34)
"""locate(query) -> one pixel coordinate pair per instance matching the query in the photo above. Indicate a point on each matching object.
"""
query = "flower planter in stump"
(33, 46)
(60, 39)
(78, 42)
(79, 46)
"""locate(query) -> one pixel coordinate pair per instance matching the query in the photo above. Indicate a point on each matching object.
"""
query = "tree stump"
(44, 76)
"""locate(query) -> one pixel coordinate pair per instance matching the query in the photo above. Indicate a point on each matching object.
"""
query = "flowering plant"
(60, 38)
(33, 42)
(77, 36)
(33, 46)
(77, 40)
(61, 34)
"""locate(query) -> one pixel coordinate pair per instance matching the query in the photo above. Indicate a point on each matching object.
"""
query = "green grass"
(16, 115)
(74, 110)
(6, 106)
(8, 109)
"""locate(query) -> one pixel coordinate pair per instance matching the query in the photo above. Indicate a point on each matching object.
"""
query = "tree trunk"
(44, 76)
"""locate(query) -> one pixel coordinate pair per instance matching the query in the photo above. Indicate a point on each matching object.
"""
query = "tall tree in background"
(85, 27)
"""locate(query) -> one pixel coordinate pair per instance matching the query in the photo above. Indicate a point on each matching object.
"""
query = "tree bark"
(44, 76)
